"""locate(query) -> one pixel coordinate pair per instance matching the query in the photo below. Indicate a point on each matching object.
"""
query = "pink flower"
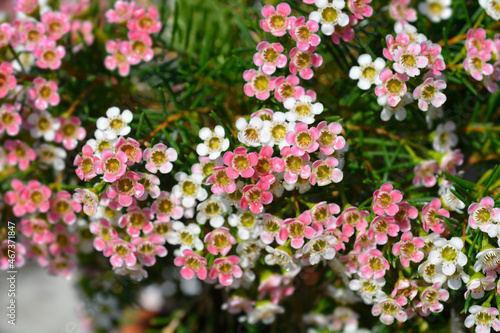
(429, 218)
(402, 40)
(62, 265)
(85, 163)
(89, 200)
(266, 165)
(13, 198)
(382, 227)
(329, 139)
(56, 24)
(147, 249)
(302, 61)
(113, 165)
(6, 34)
(37, 230)
(167, 206)
(26, 6)
(408, 249)
(304, 33)
(276, 286)
(6, 251)
(398, 9)
(345, 33)
(81, 32)
(104, 233)
(144, 21)
(135, 220)
(277, 21)
(192, 263)
(10, 120)
(295, 166)
(31, 34)
(225, 269)
(36, 197)
(388, 309)
(404, 214)
(258, 84)
(19, 153)
(288, 87)
(483, 214)
(429, 299)
(121, 252)
(435, 59)
(256, 196)
(385, 200)
(296, 229)
(477, 38)
(404, 290)
(360, 9)
(325, 172)
(271, 227)
(240, 163)
(373, 264)
(363, 242)
(70, 132)
(122, 13)
(140, 48)
(429, 93)
(150, 183)
(450, 160)
(64, 241)
(303, 139)
(408, 60)
(49, 55)
(425, 173)
(476, 63)
(126, 187)
(352, 218)
(219, 241)
(269, 56)
(131, 147)
(393, 86)
(159, 158)
(7, 80)
(63, 207)
(119, 56)
(221, 181)
(44, 93)
(322, 216)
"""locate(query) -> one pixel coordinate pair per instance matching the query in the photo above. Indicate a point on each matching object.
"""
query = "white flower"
(455, 280)
(399, 111)
(189, 190)
(492, 8)
(43, 125)
(367, 72)
(370, 290)
(51, 155)
(246, 222)
(265, 312)
(214, 142)
(274, 131)
(479, 284)
(249, 132)
(330, 15)
(487, 259)
(185, 235)
(411, 31)
(249, 251)
(449, 254)
(302, 109)
(280, 257)
(431, 273)
(320, 247)
(213, 210)
(445, 139)
(484, 319)
(436, 10)
(449, 199)
(115, 123)
(433, 114)
(100, 143)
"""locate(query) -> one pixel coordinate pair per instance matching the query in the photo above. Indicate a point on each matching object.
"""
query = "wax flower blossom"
(301, 62)
(120, 253)
(436, 10)
(382, 227)
(167, 206)
(56, 24)
(159, 158)
(121, 13)
(145, 21)
(19, 153)
(274, 131)
(329, 139)
(115, 123)
(393, 87)
(269, 56)
(330, 15)
(131, 147)
(63, 207)
(425, 173)
(352, 218)
(31, 34)
(214, 142)
(112, 165)
(399, 11)
(49, 55)
(367, 72)
(303, 32)
(140, 48)
(70, 132)
(118, 56)
(295, 166)
(477, 64)
(44, 93)
(192, 264)
(429, 218)
(303, 139)
(388, 309)
(302, 109)
(429, 299)
(325, 172)
(429, 93)
(484, 318)
(258, 84)
(240, 163)
(10, 120)
(385, 200)
(85, 163)
(409, 60)
(373, 264)
(225, 269)
(277, 21)
(7, 80)
(445, 138)
(89, 200)
(320, 247)
(483, 214)
(212, 210)
(256, 196)
(219, 241)
(125, 188)
(187, 236)
(449, 254)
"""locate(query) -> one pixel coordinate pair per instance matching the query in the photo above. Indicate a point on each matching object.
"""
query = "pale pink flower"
(304, 33)
(26, 6)
(404, 214)
(302, 61)
(63, 207)
(484, 318)
(325, 172)
(476, 63)
(70, 132)
(221, 181)
(36, 197)
(6, 34)
(360, 9)
(49, 55)
(483, 214)
(112, 165)
(322, 216)
(147, 249)
(382, 227)
(425, 173)
(89, 200)
(19, 153)
(345, 33)
(240, 163)
(159, 158)
(329, 139)
(399, 11)
(430, 298)
(120, 253)
(295, 166)
(269, 57)
(271, 227)
(81, 32)
(167, 206)
(7, 80)
(119, 56)
(13, 198)
(143, 21)
(435, 60)
(256, 196)
(404, 290)
(402, 40)
(303, 139)
(225, 269)
(450, 160)
(31, 34)
(288, 87)
(363, 242)
(296, 229)
(56, 24)
(385, 200)
(121, 13)
(408, 249)
(125, 188)
(277, 21)
(373, 264)
(140, 47)
(351, 262)
(276, 286)
(131, 147)
(104, 233)
(408, 60)
(477, 38)
(429, 218)
(192, 264)
(478, 284)
(44, 93)
(37, 230)
(64, 241)
(339, 239)
(151, 186)
(10, 120)
(135, 220)
(62, 265)
(5, 248)
(429, 93)
(219, 241)
(85, 162)
(388, 309)
(258, 84)
(393, 86)
(352, 218)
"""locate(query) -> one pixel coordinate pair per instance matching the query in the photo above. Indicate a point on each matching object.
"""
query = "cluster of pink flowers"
(141, 24)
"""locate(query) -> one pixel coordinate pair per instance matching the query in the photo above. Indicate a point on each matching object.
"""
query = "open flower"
(425, 173)
(325, 172)
(113, 165)
(484, 318)
(296, 229)
(302, 62)
(118, 56)
(213, 210)
(63, 207)
(385, 200)
(436, 10)
(388, 309)
(10, 120)
(49, 55)
(477, 64)
(373, 264)
(330, 15)
(256, 196)
(320, 247)
(85, 163)
(214, 142)
(393, 87)
(352, 218)
(70, 132)
(159, 158)
(147, 249)
(120, 252)
(19, 153)
(367, 72)
(115, 123)
(258, 84)
(429, 93)
(7, 80)
(56, 24)
(382, 227)
(146, 22)
(408, 249)
(240, 163)
(140, 48)
(277, 21)
(167, 206)
(187, 236)
(121, 13)
(302, 109)
(429, 218)
(192, 264)
(449, 254)
(225, 269)
(483, 214)
(304, 33)
(295, 166)
(125, 188)
(44, 93)
(269, 56)
(303, 139)
(89, 200)
(219, 241)
(430, 298)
